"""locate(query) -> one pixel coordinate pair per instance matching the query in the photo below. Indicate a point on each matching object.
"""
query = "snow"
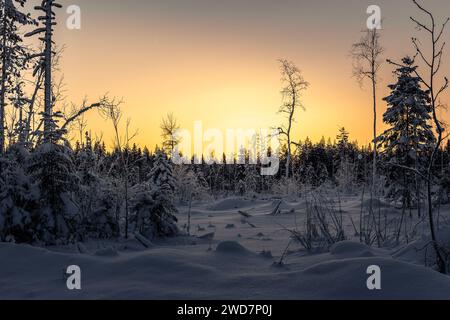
(350, 249)
(231, 247)
(230, 273)
(231, 203)
(238, 263)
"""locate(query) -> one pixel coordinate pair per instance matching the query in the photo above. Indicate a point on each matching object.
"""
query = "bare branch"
(421, 25)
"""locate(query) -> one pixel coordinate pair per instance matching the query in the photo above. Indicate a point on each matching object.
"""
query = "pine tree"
(251, 179)
(343, 140)
(240, 188)
(410, 138)
(153, 203)
(53, 171)
(188, 185)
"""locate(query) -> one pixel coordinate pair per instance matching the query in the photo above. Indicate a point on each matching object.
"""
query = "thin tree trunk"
(189, 215)
(126, 206)
(25, 139)
(440, 259)
(374, 163)
(3, 85)
(374, 169)
(48, 75)
(289, 142)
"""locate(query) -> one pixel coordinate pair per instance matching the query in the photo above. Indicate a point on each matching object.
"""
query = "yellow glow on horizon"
(224, 72)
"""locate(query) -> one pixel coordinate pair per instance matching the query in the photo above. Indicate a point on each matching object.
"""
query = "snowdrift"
(229, 271)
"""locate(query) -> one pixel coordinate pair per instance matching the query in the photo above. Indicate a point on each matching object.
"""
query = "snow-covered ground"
(229, 256)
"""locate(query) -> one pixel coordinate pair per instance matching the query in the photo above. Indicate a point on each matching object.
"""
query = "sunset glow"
(215, 61)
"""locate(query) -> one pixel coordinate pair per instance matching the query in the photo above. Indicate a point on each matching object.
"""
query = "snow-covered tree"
(161, 175)
(95, 196)
(240, 188)
(251, 178)
(410, 138)
(52, 169)
(346, 176)
(19, 216)
(45, 30)
(13, 54)
(101, 222)
(153, 203)
(187, 185)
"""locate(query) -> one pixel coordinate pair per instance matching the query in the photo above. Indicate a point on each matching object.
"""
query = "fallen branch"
(245, 214)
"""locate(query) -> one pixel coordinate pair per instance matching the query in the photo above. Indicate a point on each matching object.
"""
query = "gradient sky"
(215, 61)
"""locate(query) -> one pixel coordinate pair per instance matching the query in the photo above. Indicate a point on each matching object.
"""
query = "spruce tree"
(153, 203)
(409, 139)
(53, 171)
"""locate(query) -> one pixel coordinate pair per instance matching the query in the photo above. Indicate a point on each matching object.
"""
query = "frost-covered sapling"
(153, 203)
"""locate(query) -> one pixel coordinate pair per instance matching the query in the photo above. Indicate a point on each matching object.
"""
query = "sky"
(215, 61)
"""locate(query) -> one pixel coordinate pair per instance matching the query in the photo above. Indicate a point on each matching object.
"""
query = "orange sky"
(215, 61)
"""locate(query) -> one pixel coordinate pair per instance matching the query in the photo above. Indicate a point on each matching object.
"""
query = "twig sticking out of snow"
(245, 214)
(277, 210)
(145, 242)
(251, 225)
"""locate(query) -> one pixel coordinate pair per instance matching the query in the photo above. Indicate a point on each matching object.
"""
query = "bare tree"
(294, 84)
(111, 110)
(80, 125)
(433, 64)
(367, 62)
(48, 22)
(169, 126)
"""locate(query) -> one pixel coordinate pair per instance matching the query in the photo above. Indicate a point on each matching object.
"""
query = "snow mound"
(351, 249)
(376, 204)
(347, 279)
(230, 204)
(231, 247)
(107, 252)
(421, 251)
(174, 273)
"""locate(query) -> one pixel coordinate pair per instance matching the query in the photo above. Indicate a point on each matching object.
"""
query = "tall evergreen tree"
(52, 169)
(153, 203)
(409, 138)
